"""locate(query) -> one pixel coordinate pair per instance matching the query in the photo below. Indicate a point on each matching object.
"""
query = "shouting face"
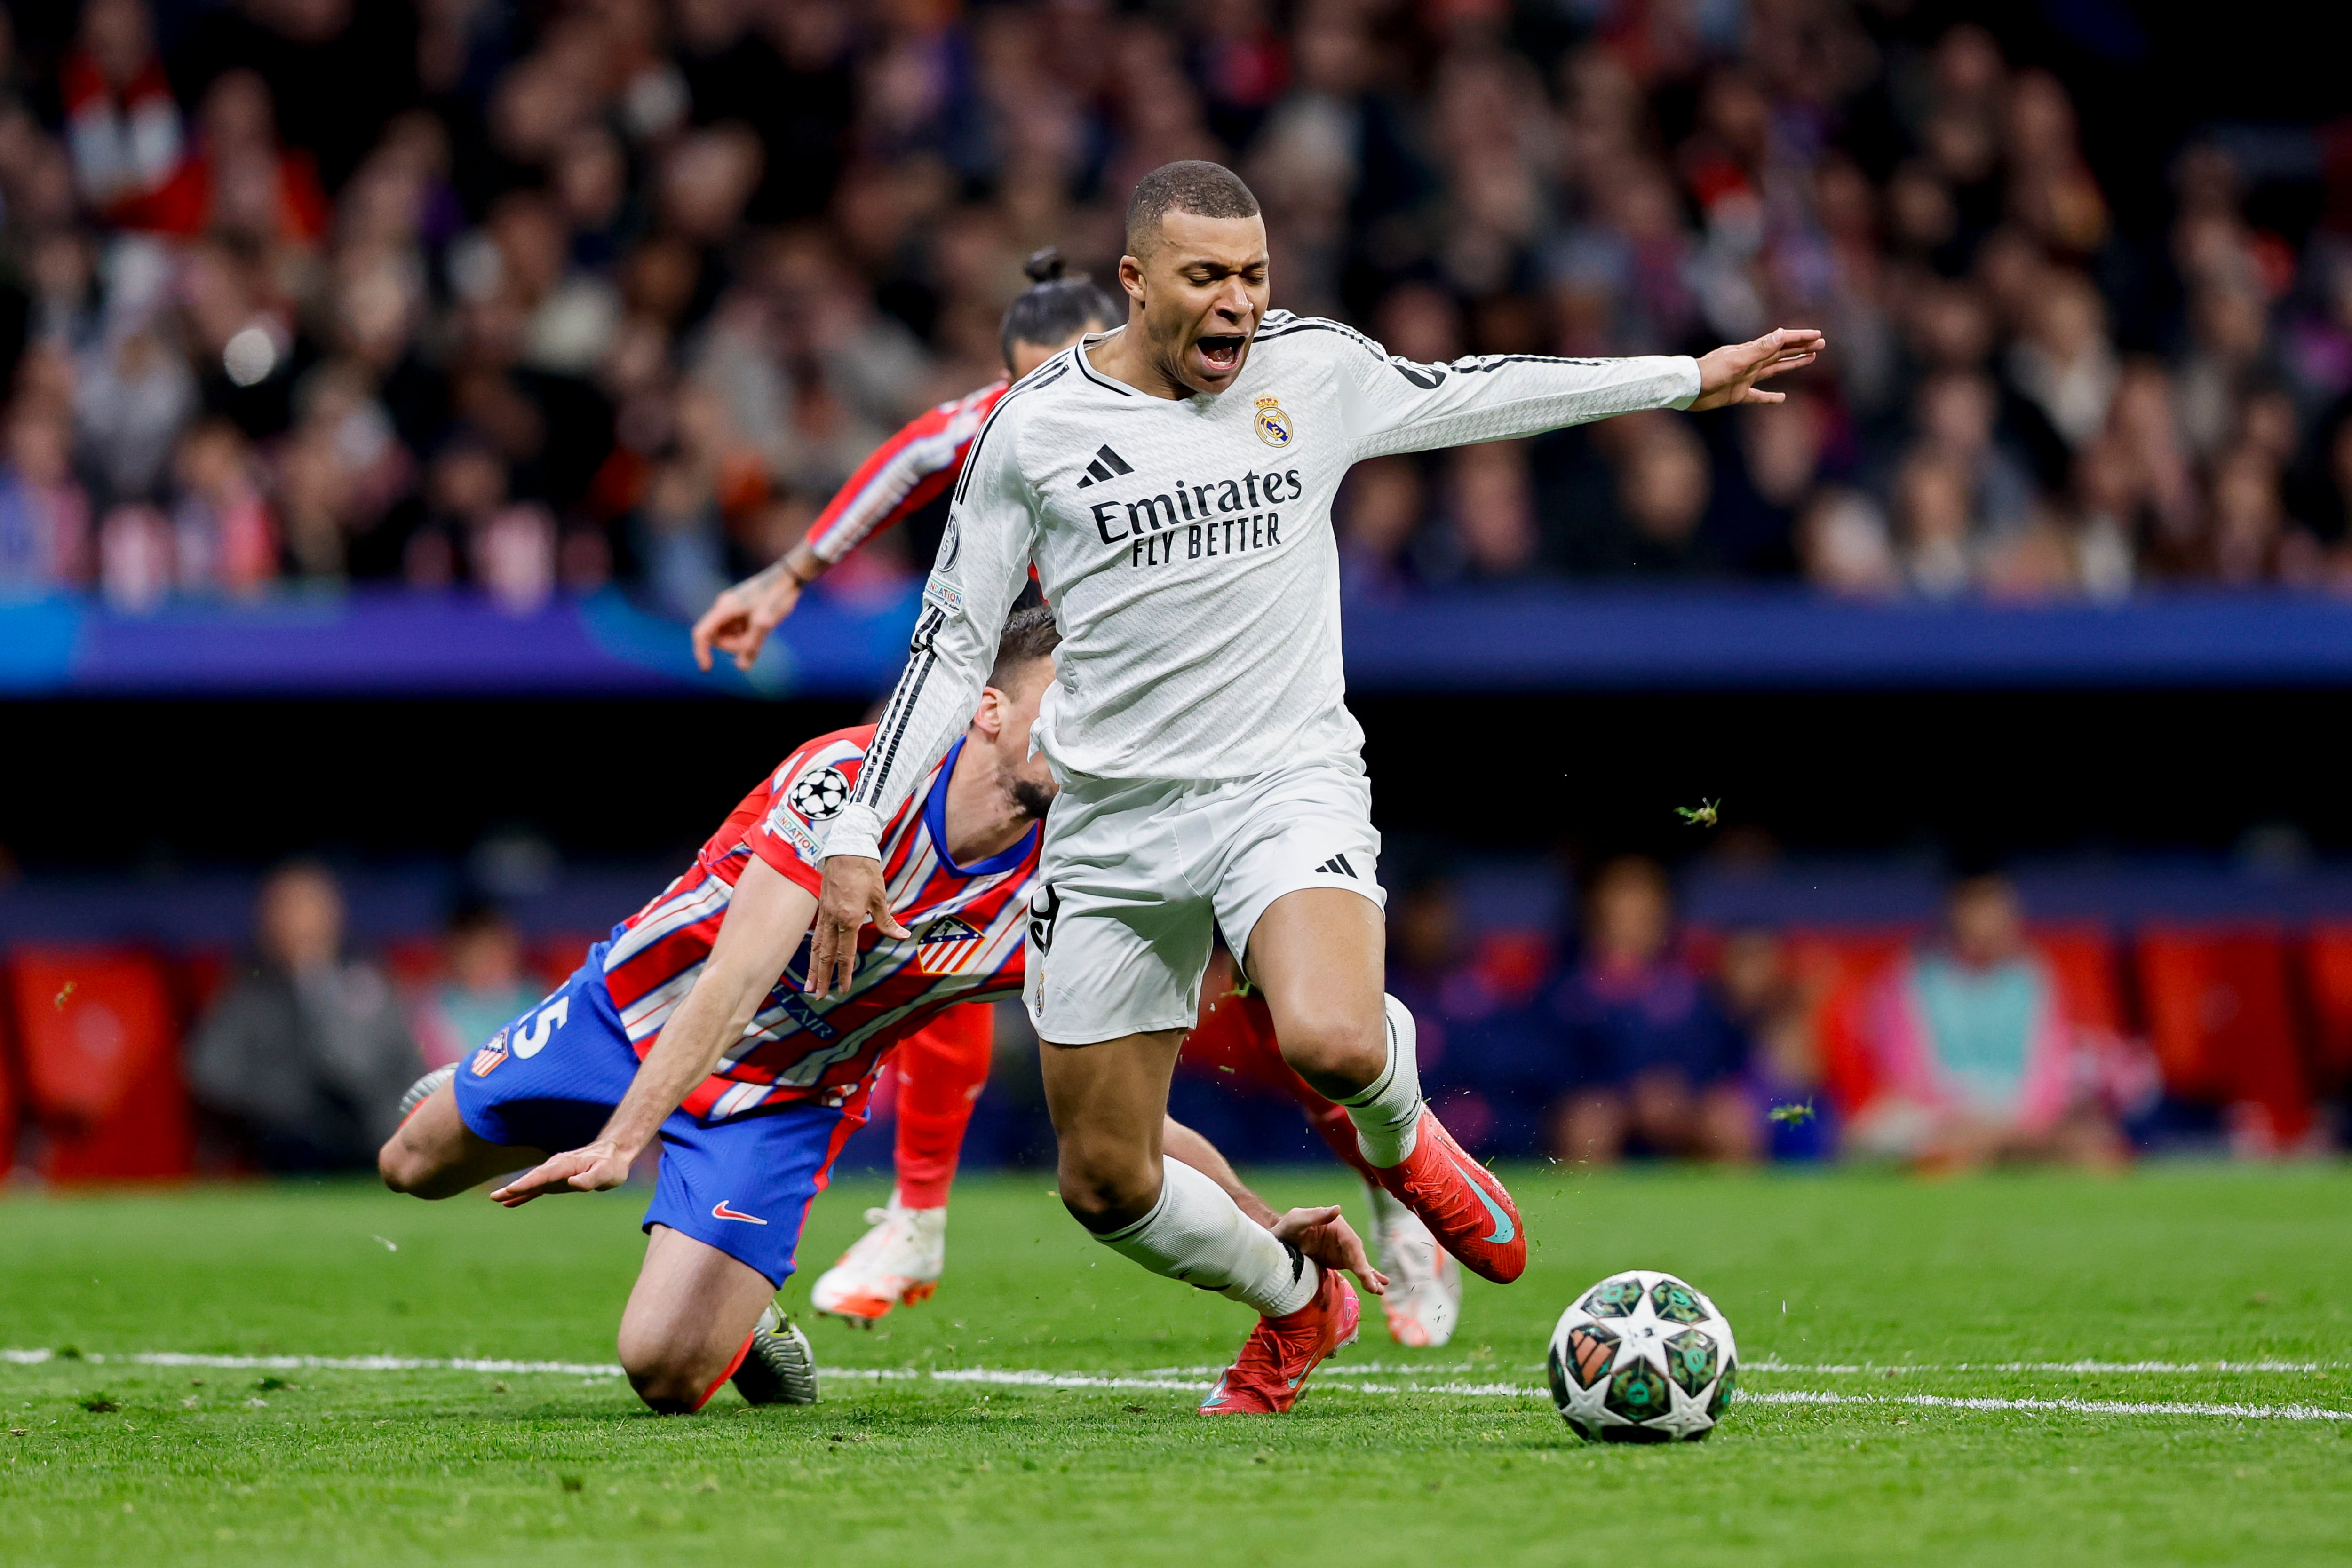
(1198, 291)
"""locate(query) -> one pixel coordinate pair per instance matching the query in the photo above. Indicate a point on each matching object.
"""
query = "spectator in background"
(44, 512)
(482, 986)
(1380, 508)
(360, 232)
(1655, 1061)
(1976, 1058)
(306, 1055)
(121, 122)
(222, 532)
(1768, 1004)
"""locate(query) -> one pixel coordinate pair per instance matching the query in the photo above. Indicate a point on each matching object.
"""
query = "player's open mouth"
(1223, 353)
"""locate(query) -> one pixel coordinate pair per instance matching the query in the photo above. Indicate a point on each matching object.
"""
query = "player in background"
(910, 470)
(941, 1070)
(1234, 1037)
(1170, 483)
(691, 1025)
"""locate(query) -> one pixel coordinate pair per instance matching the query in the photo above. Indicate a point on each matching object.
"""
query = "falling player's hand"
(740, 619)
(854, 894)
(596, 1167)
(1325, 1235)
(1730, 374)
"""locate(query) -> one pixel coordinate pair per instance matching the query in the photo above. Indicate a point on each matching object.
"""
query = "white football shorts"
(1133, 877)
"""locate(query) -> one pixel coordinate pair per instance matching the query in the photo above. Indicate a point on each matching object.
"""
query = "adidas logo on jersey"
(1107, 464)
(1338, 866)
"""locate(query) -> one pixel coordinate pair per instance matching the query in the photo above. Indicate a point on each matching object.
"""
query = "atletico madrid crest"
(945, 946)
(493, 1052)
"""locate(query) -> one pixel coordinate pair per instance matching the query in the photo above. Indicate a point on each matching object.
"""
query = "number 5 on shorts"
(542, 1027)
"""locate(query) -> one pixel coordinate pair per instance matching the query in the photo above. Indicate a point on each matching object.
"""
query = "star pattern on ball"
(1643, 1356)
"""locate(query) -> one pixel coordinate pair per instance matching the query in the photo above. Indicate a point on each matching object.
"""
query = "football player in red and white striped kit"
(691, 1024)
(940, 1072)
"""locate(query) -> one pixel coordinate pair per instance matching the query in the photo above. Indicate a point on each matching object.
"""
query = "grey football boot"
(780, 1368)
(425, 1088)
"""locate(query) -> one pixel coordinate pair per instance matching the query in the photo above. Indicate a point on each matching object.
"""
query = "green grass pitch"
(1879, 1296)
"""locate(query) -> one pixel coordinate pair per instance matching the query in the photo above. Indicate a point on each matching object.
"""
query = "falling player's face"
(1024, 779)
(1199, 295)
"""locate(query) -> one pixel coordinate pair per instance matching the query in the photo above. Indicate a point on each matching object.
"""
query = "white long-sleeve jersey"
(1186, 547)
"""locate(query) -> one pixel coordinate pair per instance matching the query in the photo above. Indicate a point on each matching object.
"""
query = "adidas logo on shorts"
(1338, 866)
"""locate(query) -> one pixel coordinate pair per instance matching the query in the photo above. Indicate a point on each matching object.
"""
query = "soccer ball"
(1642, 1358)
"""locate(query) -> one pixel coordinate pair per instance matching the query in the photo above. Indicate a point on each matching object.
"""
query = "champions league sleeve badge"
(1274, 426)
(819, 794)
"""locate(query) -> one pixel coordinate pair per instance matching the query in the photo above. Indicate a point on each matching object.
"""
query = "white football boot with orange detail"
(1425, 1298)
(897, 1263)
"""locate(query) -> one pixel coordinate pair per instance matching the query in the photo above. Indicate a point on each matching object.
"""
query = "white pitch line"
(1191, 1380)
(2159, 1368)
(1832, 1369)
(318, 1362)
(2076, 1407)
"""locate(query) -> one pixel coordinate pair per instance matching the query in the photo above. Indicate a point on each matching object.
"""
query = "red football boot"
(1280, 1352)
(1461, 1202)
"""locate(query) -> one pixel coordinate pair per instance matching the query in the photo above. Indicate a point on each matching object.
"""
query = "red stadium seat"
(413, 964)
(2083, 959)
(101, 1054)
(1834, 971)
(553, 959)
(1512, 963)
(11, 1094)
(199, 976)
(2329, 972)
(2220, 1019)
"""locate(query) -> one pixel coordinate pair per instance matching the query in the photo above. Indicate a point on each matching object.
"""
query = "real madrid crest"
(1274, 426)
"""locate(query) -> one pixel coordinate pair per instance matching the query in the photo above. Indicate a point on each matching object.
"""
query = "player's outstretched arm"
(1394, 405)
(740, 619)
(1730, 374)
(765, 922)
(897, 478)
(1323, 1234)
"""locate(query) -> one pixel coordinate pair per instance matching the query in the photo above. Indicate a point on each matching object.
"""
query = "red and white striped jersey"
(964, 921)
(903, 475)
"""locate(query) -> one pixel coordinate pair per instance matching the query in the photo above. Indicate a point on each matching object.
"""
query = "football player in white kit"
(1173, 482)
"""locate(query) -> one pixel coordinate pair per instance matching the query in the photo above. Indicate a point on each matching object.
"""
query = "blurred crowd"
(1620, 1031)
(1946, 1049)
(540, 298)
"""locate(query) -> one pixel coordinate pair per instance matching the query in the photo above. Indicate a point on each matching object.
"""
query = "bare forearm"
(683, 1055)
(1179, 1142)
(799, 563)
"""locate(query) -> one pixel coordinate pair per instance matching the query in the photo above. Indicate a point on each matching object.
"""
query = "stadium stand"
(11, 1090)
(561, 303)
(99, 1038)
(2328, 956)
(2222, 1022)
(550, 326)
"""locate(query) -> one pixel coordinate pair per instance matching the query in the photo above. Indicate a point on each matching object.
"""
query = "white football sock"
(1195, 1233)
(1387, 1111)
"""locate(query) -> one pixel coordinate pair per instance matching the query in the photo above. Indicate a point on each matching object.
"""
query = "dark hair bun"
(1044, 265)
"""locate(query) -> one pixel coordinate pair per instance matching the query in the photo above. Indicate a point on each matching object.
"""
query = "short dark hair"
(1056, 303)
(1029, 635)
(1205, 190)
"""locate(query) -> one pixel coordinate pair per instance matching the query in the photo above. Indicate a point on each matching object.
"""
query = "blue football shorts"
(548, 1079)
